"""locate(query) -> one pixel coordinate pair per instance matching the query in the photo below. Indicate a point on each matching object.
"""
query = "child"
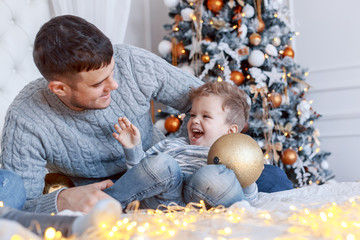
(218, 108)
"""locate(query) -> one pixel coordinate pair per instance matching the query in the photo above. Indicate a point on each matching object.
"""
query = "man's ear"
(58, 87)
(233, 129)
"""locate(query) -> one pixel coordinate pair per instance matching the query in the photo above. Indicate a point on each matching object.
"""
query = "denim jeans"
(12, 191)
(158, 180)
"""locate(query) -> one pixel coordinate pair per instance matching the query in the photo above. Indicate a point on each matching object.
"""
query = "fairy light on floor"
(332, 221)
(172, 222)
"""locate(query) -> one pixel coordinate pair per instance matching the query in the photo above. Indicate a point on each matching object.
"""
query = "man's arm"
(156, 78)
(24, 152)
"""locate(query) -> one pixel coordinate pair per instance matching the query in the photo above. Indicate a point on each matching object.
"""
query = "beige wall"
(329, 45)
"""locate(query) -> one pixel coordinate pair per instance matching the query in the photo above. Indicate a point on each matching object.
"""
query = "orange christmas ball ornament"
(275, 99)
(255, 39)
(288, 51)
(237, 77)
(205, 58)
(172, 124)
(214, 5)
(288, 156)
(240, 153)
(180, 49)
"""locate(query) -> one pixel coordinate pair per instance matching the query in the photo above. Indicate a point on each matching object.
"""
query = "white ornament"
(243, 30)
(274, 76)
(257, 74)
(324, 164)
(256, 58)
(249, 11)
(188, 69)
(164, 47)
(276, 41)
(171, 3)
(160, 124)
(271, 50)
(187, 14)
(304, 108)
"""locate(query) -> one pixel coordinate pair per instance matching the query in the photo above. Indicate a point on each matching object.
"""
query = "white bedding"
(329, 211)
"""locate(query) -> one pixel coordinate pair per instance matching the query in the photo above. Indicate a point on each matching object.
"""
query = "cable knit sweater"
(41, 133)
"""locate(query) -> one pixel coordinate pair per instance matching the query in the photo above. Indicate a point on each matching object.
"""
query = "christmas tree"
(249, 43)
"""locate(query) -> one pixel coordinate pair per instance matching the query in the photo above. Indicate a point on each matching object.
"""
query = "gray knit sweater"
(41, 133)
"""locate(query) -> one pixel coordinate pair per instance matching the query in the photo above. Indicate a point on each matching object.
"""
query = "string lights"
(336, 221)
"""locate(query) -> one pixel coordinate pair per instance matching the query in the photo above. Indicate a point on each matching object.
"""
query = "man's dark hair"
(67, 45)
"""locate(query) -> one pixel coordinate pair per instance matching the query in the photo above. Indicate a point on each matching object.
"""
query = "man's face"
(92, 89)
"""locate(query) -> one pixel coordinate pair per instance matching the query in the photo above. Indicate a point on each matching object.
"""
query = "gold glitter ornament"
(240, 153)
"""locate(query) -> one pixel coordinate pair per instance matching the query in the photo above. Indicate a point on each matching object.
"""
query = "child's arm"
(129, 137)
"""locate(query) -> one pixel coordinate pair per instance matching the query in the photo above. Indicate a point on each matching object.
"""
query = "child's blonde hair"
(235, 100)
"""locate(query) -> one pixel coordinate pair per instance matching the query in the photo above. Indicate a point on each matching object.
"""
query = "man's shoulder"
(125, 52)
(29, 93)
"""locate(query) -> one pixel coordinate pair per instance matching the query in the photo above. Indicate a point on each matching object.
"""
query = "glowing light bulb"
(350, 237)
(227, 230)
(16, 237)
(50, 233)
(323, 216)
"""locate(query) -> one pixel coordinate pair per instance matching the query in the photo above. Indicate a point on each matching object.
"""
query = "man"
(64, 121)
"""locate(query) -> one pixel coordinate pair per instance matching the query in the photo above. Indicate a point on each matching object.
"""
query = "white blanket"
(329, 211)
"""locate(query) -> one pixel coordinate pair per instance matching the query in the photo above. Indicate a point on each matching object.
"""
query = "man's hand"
(127, 134)
(83, 198)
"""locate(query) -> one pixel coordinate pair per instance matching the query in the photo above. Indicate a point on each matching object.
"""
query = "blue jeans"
(12, 191)
(158, 180)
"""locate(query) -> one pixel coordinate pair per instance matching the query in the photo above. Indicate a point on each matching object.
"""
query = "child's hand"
(127, 134)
